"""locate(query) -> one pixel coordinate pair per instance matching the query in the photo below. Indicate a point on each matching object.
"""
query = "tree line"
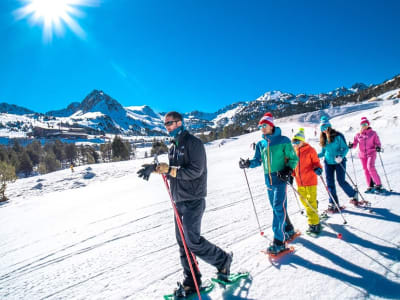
(35, 158)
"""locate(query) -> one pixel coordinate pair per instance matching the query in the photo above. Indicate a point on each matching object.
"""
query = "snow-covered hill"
(103, 233)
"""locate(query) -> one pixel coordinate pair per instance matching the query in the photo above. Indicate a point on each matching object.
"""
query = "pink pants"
(368, 164)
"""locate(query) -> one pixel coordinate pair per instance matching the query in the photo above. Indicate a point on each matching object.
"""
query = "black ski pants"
(191, 213)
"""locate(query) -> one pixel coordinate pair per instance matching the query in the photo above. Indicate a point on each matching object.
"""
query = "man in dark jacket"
(187, 173)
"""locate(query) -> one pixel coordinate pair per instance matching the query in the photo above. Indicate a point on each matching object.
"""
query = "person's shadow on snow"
(379, 213)
(371, 282)
(238, 290)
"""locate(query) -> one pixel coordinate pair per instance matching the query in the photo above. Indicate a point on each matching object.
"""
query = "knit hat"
(300, 135)
(324, 124)
(364, 120)
(267, 119)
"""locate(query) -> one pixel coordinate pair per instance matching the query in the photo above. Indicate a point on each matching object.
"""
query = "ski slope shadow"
(379, 213)
(369, 282)
(238, 290)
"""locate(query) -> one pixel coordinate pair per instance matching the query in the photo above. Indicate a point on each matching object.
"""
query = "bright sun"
(53, 14)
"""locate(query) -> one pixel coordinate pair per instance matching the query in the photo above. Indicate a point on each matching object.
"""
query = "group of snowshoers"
(283, 159)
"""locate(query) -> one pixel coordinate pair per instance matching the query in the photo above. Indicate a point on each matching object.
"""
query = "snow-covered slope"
(103, 233)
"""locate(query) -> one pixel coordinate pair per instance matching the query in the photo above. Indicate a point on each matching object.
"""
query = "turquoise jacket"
(337, 148)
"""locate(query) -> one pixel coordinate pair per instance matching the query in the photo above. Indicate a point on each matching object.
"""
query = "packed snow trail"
(112, 236)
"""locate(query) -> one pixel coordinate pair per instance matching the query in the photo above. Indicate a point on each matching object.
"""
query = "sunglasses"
(262, 126)
(364, 124)
(169, 123)
(295, 142)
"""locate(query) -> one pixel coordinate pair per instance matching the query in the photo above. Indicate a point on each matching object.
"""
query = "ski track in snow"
(112, 236)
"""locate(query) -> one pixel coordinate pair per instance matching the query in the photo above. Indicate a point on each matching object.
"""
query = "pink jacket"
(368, 140)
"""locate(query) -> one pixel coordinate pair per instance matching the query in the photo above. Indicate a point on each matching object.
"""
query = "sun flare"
(53, 15)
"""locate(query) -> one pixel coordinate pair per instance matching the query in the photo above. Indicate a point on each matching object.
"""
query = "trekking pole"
(254, 207)
(297, 199)
(339, 235)
(384, 171)
(333, 199)
(354, 169)
(355, 186)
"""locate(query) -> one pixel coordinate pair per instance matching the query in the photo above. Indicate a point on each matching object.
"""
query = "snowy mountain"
(111, 235)
(14, 109)
(100, 113)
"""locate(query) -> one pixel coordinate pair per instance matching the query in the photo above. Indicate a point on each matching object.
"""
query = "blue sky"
(197, 55)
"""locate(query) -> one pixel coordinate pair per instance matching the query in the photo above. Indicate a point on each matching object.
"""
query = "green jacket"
(275, 152)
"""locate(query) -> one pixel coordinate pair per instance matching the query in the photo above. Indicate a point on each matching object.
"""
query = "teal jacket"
(274, 152)
(337, 148)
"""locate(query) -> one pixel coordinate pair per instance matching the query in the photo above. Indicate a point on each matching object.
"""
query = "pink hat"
(267, 119)
(364, 120)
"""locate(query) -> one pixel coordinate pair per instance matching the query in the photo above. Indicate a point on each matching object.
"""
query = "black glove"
(244, 163)
(378, 149)
(146, 170)
(285, 174)
(350, 145)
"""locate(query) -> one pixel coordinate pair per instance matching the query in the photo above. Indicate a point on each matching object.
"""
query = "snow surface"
(103, 233)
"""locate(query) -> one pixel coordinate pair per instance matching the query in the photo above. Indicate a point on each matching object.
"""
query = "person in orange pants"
(306, 173)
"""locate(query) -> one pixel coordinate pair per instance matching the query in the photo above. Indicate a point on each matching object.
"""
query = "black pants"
(191, 213)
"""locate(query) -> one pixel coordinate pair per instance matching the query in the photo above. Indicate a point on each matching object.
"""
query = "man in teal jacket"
(275, 152)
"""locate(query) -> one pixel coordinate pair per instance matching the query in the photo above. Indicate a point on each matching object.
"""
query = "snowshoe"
(232, 278)
(291, 235)
(187, 292)
(277, 255)
(332, 209)
(369, 190)
(324, 215)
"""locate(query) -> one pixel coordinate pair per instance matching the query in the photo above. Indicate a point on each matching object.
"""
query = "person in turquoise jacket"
(275, 152)
(334, 150)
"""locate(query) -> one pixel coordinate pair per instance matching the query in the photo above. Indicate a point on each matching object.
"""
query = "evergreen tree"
(50, 163)
(120, 151)
(106, 151)
(70, 152)
(35, 152)
(7, 174)
(25, 164)
(158, 148)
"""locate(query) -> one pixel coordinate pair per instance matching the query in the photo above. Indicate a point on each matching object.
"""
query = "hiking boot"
(189, 283)
(369, 190)
(316, 228)
(225, 270)
(332, 208)
(289, 234)
(276, 247)
(183, 291)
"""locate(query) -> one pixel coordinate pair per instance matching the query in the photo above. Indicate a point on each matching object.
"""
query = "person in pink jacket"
(369, 145)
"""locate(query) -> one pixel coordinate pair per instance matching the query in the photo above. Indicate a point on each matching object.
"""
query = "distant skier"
(276, 154)
(369, 145)
(306, 173)
(72, 168)
(187, 173)
(334, 150)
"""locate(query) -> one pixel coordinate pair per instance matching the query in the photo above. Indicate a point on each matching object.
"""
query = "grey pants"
(191, 213)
